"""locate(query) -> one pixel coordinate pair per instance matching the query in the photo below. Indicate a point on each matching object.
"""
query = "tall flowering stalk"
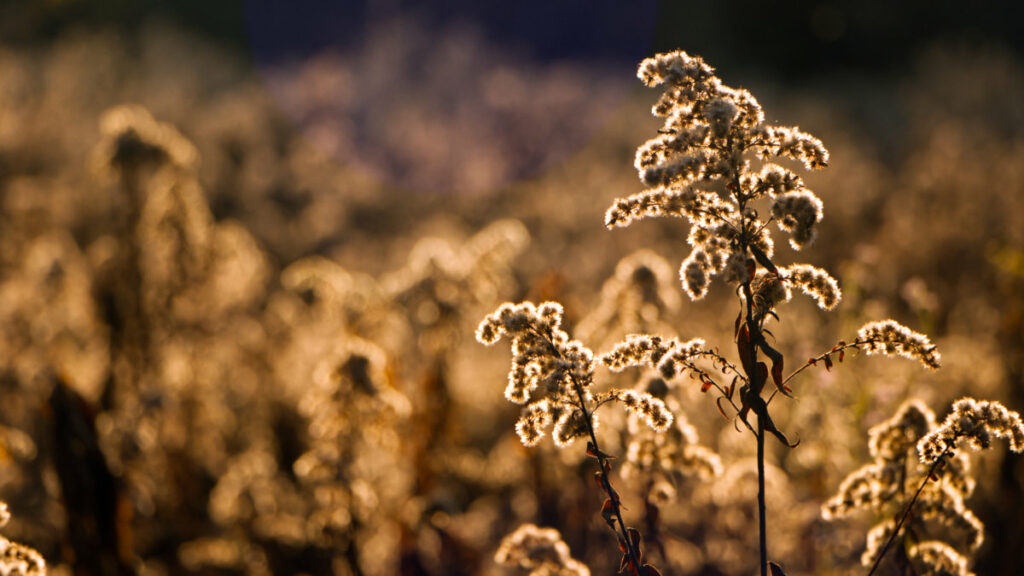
(712, 164)
(552, 376)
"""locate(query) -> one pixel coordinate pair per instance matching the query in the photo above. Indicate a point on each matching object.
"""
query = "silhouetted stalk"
(632, 554)
(754, 381)
(606, 483)
(761, 519)
(906, 511)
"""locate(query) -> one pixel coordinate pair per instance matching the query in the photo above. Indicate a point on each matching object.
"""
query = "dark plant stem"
(761, 509)
(632, 554)
(756, 385)
(753, 377)
(606, 483)
(906, 511)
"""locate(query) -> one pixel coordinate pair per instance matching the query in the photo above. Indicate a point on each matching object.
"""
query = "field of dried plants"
(225, 351)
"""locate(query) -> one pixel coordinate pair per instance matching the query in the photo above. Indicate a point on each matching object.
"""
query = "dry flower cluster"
(541, 551)
(918, 479)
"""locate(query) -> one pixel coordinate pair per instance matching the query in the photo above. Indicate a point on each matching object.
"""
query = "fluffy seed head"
(645, 406)
(540, 550)
(710, 134)
(977, 422)
(814, 282)
(798, 212)
(892, 338)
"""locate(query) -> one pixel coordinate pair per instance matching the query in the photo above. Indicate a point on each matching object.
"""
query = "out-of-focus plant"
(920, 479)
(540, 551)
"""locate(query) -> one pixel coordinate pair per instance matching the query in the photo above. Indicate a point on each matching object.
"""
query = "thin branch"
(765, 225)
(603, 465)
(814, 361)
(762, 520)
(906, 511)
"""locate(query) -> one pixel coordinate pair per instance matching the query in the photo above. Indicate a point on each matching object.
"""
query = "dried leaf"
(777, 374)
(608, 512)
(648, 570)
(763, 259)
(614, 495)
(828, 363)
(762, 375)
(778, 362)
(593, 452)
(746, 351)
(718, 402)
(634, 536)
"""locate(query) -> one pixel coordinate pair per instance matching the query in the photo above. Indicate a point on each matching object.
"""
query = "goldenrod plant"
(713, 164)
(228, 345)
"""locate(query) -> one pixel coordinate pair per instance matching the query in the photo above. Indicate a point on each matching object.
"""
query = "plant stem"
(761, 509)
(632, 554)
(750, 366)
(906, 511)
(606, 483)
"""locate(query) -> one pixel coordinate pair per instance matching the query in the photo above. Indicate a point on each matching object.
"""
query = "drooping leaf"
(608, 512)
(718, 402)
(778, 362)
(763, 259)
(634, 537)
(762, 376)
(746, 350)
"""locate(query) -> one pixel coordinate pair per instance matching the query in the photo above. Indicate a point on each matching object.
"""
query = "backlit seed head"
(976, 422)
(892, 338)
(699, 167)
(540, 550)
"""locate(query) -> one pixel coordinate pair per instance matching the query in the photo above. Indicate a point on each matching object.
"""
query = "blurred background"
(244, 247)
